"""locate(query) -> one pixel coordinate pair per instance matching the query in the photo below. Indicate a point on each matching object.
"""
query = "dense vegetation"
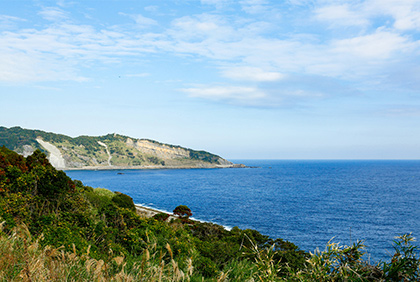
(56, 229)
(16, 137)
(203, 156)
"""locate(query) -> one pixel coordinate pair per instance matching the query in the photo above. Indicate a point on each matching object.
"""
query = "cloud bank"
(268, 54)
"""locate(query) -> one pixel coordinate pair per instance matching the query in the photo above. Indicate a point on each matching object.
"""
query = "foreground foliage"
(56, 229)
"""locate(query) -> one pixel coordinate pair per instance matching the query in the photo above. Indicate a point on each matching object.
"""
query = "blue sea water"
(305, 202)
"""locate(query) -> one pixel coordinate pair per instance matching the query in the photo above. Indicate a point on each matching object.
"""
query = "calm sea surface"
(305, 202)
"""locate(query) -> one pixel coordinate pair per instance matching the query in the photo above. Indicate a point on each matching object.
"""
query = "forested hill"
(106, 152)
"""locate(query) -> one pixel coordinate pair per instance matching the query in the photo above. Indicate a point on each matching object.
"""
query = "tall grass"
(22, 258)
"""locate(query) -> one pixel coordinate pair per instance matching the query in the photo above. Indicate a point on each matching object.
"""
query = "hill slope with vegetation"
(53, 228)
(106, 152)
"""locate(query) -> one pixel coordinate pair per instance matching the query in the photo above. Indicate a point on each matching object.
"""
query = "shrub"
(161, 216)
(97, 198)
(207, 267)
(208, 231)
(405, 264)
(123, 201)
(82, 188)
(104, 192)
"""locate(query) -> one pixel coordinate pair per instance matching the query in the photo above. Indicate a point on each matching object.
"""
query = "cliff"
(112, 151)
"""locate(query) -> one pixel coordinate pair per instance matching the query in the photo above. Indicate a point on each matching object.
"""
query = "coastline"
(93, 168)
(150, 212)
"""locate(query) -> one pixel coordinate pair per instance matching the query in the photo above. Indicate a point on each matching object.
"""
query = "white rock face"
(55, 157)
(27, 150)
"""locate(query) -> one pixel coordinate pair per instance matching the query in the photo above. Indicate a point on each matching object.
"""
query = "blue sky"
(296, 79)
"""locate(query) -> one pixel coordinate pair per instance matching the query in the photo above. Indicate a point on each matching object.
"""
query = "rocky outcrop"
(27, 150)
(224, 162)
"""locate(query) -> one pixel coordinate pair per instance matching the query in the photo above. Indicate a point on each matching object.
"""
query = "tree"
(182, 211)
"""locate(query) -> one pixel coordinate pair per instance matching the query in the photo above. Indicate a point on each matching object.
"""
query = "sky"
(248, 79)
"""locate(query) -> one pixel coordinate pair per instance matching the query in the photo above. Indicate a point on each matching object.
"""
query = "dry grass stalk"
(37, 263)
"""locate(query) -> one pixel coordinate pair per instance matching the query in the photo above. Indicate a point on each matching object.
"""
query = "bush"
(104, 193)
(123, 201)
(405, 264)
(161, 216)
(97, 198)
(207, 267)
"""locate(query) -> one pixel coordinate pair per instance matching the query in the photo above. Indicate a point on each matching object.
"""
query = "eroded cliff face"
(55, 157)
(110, 151)
(159, 150)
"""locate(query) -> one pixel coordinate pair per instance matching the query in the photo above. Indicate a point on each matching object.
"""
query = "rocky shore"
(149, 212)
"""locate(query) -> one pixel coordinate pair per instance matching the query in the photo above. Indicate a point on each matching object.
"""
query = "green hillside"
(108, 151)
(55, 229)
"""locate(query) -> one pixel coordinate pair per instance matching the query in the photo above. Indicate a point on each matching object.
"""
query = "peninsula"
(111, 151)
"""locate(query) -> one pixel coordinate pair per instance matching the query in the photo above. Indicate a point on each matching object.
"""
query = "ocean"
(307, 202)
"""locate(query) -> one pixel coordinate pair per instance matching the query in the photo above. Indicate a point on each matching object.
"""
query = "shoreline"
(93, 168)
(150, 212)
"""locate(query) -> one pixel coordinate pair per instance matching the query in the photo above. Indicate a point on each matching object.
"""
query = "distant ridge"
(111, 151)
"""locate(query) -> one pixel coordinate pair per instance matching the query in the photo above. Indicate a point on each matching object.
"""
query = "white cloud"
(20, 66)
(60, 51)
(65, 3)
(201, 28)
(152, 8)
(224, 38)
(5, 18)
(142, 21)
(239, 94)
(406, 13)
(217, 3)
(240, 47)
(254, 6)
(300, 2)
(9, 22)
(379, 45)
(251, 74)
(341, 15)
(291, 91)
(53, 14)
